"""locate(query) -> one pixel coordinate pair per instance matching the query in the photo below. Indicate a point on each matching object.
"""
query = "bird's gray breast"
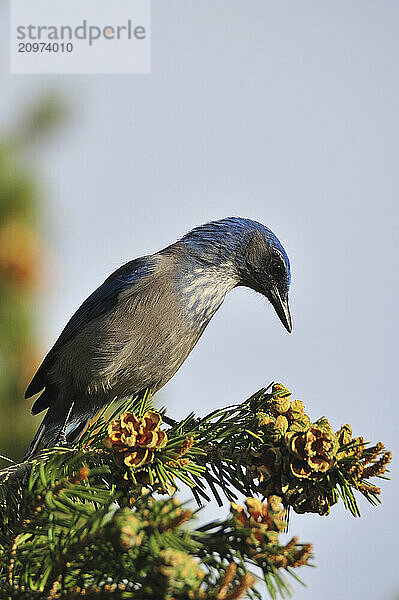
(146, 337)
(140, 343)
(159, 341)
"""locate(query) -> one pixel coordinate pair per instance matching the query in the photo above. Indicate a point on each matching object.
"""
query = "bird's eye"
(277, 269)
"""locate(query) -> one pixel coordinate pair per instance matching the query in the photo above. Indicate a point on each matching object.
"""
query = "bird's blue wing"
(103, 299)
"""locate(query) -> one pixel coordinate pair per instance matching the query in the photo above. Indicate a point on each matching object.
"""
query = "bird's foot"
(62, 441)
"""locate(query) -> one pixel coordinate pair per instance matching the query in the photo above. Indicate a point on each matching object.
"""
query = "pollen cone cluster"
(296, 455)
(135, 439)
(263, 520)
(177, 565)
(313, 451)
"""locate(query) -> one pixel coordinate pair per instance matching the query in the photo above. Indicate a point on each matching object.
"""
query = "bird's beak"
(282, 308)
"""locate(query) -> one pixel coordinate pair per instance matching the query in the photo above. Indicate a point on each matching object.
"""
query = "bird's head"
(255, 253)
(264, 267)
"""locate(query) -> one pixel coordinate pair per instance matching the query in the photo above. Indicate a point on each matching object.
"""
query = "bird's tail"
(61, 424)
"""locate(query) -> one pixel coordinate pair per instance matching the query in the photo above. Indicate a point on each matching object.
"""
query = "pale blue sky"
(285, 112)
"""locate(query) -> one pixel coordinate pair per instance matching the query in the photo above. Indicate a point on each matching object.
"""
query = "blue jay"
(135, 330)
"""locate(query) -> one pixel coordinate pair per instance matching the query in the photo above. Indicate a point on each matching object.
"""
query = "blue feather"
(218, 240)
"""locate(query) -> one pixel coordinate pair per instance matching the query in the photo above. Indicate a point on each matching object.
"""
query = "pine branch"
(84, 520)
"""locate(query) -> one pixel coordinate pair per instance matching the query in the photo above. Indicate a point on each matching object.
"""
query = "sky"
(285, 112)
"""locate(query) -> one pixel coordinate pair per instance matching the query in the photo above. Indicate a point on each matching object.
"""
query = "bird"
(137, 328)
